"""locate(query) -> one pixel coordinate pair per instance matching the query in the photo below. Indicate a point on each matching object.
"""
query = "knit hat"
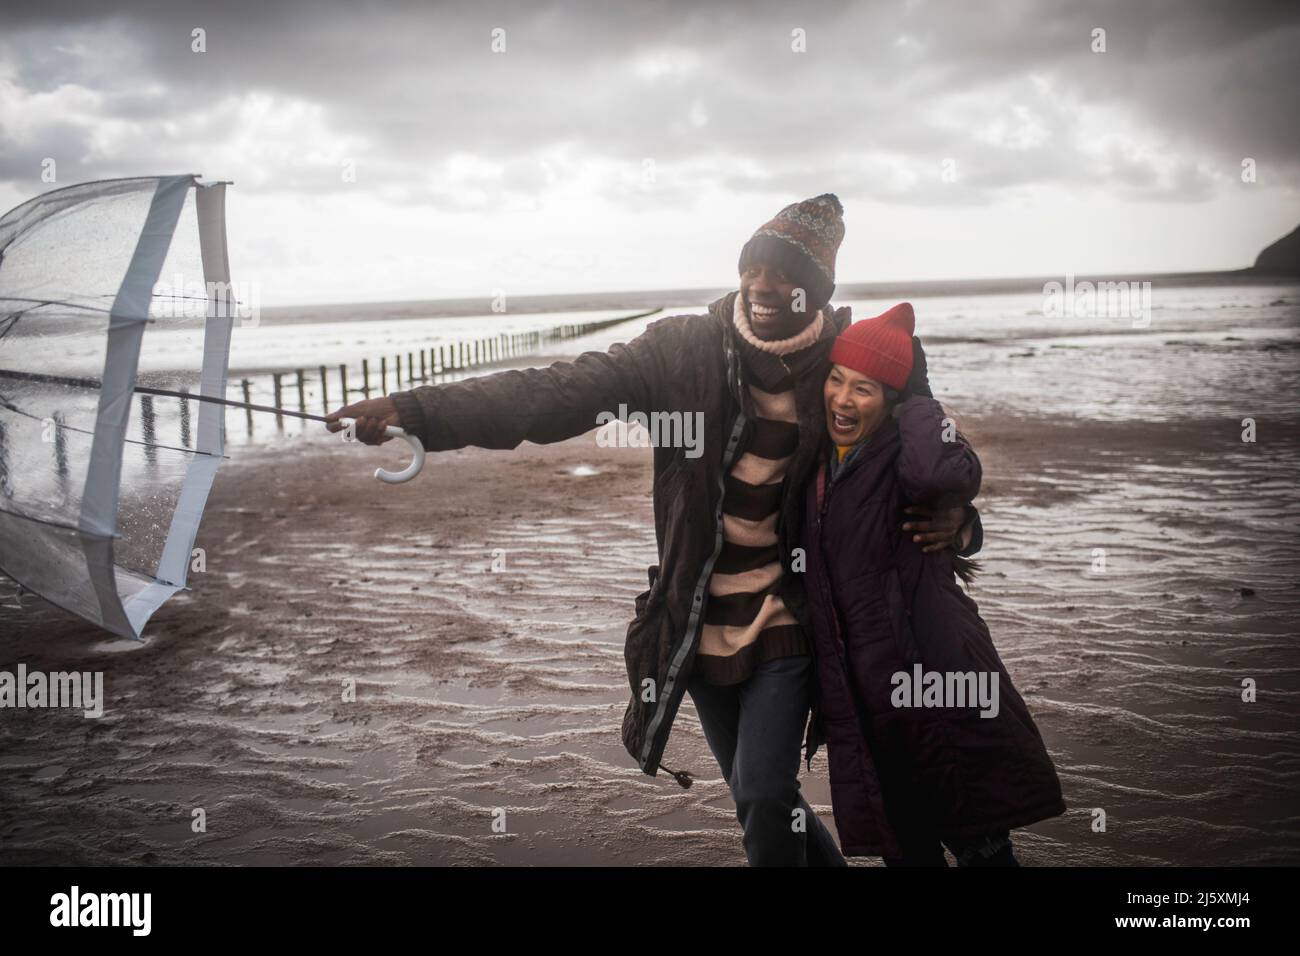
(879, 348)
(802, 240)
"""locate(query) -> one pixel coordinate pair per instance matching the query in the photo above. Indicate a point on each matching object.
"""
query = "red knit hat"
(879, 348)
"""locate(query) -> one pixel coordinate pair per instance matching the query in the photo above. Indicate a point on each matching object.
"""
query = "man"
(724, 615)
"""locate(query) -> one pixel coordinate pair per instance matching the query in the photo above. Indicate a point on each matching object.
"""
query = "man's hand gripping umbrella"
(375, 421)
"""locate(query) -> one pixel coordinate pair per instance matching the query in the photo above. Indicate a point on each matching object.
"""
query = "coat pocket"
(643, 599)
(641, 653)
(645, 649)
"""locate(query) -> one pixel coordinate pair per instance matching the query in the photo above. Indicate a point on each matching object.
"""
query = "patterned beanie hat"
(879, 348)
(802, 240)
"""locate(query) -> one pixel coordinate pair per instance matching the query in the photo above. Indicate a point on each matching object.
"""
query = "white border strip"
(126, 324)
(173, 565)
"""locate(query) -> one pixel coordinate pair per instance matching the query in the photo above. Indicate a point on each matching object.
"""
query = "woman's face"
(855, 405)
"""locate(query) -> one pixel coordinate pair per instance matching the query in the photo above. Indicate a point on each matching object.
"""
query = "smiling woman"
(860, 396)
(903, 785)
(855, 406)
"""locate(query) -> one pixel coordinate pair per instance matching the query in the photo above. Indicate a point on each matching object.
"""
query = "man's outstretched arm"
(538, 404)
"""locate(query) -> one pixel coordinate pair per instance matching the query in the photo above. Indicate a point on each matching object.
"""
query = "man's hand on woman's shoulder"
(937, 529)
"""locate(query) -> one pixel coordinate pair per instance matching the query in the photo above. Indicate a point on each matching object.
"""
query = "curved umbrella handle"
(417, 459)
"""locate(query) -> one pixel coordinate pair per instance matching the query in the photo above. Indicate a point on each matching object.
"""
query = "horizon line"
(925, 288)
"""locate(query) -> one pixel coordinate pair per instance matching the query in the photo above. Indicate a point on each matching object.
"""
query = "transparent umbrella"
(115, 326)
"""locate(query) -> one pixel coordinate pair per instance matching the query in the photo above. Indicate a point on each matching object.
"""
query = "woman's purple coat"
(880, 606)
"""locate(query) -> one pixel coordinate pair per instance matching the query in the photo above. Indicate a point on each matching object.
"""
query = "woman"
(929, 744)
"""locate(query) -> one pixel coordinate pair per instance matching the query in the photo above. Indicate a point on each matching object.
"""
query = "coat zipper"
(698, 598)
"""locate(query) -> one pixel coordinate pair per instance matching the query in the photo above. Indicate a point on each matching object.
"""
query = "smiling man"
(725, 615)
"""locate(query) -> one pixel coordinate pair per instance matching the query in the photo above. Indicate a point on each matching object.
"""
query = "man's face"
(772, 304)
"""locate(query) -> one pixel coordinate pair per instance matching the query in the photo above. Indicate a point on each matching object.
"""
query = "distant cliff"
(1282, 258)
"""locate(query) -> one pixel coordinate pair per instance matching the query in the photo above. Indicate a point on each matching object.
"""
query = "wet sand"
(484, 695)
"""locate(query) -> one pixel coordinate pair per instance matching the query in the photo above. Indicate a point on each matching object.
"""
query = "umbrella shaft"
(165, 392)
(229, 402)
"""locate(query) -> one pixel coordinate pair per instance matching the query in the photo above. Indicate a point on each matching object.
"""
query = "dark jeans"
(755, 730)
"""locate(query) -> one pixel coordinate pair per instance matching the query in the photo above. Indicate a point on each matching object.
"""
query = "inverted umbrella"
(98, 514)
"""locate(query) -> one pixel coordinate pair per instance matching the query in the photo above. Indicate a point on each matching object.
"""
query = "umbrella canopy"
(105, 286)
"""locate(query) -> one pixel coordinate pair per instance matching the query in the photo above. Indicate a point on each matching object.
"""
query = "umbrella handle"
(417, 458)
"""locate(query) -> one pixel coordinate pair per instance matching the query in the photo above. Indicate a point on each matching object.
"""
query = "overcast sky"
(637, 145)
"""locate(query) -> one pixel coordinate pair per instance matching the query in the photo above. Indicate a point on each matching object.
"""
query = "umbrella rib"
(57, 524)
(42, 302)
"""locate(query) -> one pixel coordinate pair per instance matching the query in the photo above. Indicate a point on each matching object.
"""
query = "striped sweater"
(745, 621)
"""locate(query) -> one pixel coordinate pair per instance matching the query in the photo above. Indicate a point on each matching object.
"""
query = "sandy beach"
(487, 696)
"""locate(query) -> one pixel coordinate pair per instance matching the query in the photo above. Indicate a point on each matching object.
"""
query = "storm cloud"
(1011, 92)
(651, 105)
